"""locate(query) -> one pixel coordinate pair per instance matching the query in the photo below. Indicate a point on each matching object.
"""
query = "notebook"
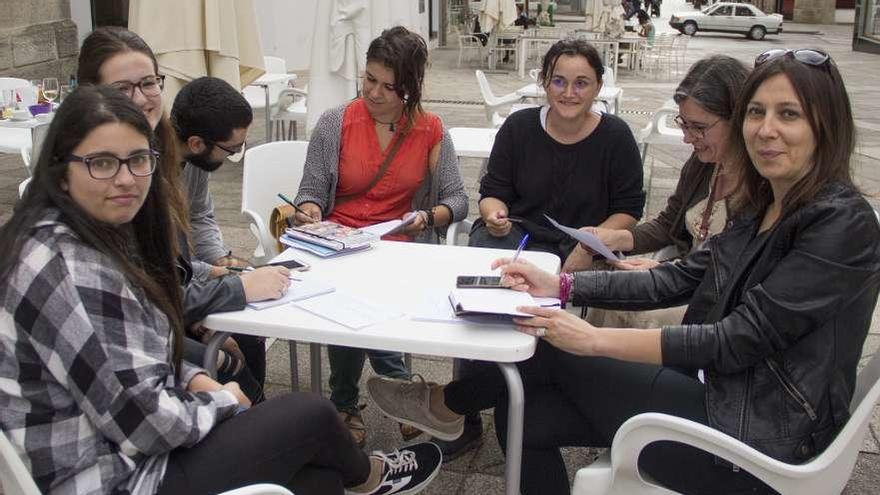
(331, 235)
(298, 290)
(467, 302)
(391, 226)
(318, 250)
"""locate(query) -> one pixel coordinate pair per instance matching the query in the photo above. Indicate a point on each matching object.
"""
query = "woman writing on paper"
(95, 395)
(780, 305)
(376, 159)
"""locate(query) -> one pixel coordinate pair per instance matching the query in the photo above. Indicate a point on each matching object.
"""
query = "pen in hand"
(297, 208)
(519, 248)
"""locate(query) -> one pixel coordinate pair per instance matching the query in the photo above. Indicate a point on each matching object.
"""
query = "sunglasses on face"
(809, 56)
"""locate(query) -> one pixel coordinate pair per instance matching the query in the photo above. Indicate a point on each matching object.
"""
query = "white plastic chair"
(469, 43)
(618, 473)
(458, 230)
(22, 186)
(492, 103)
(269, 169)
(256, 96)
(290, 109)
(611, 94)
(658, 131)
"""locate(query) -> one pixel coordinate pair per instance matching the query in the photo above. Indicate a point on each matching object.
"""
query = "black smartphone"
(290, 265)
(478, 282)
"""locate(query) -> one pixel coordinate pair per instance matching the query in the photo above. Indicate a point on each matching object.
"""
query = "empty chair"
(471, 44)
(617, 472)
(492, 103)
(610, 94)
(256, 96)
(290, 109)
(269, 169)
(658, 130)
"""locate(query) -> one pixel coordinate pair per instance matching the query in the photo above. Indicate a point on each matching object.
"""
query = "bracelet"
(566, 282)
(429, 219)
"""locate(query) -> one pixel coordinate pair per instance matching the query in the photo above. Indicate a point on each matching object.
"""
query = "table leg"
(294, 366)
(268, 119)
(516, 404)
(210, 361)
(315, 358)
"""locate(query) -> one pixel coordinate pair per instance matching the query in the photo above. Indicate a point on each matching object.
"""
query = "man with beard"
(211, 119)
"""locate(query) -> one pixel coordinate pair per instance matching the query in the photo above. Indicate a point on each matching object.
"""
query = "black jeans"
(581, 401)
(296, 440)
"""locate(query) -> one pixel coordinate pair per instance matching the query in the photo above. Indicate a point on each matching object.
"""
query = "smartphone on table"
(290, 265)
(478, 282)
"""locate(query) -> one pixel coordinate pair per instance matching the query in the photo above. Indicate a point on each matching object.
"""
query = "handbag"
(280, 218)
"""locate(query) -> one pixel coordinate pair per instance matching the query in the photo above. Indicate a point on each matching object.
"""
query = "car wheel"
(690, 28)
(757, 32)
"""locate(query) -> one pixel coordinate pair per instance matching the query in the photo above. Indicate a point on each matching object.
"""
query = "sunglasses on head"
(816, 58)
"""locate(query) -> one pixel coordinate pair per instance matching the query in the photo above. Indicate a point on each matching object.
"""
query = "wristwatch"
(429, 217)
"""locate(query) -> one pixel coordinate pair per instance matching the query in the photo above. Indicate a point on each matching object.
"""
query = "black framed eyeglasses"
(809, 56)
(234, 154)
(696, 130)
(149, 86)
(104, 166)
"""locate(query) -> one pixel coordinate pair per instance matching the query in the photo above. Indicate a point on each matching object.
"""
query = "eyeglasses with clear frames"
(149, 86)
(698, 131)
(559, 84)
(105, 166)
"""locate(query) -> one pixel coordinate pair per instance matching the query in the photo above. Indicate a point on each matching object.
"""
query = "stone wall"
(814, 11)
(37, 39)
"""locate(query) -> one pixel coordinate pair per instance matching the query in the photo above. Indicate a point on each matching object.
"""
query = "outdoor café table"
(472, 142)
(265, 81)
(402, 276)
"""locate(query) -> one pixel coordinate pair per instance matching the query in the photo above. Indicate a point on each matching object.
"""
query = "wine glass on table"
(50, 89)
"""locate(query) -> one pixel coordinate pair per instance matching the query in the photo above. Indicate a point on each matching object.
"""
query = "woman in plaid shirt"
(93, 391)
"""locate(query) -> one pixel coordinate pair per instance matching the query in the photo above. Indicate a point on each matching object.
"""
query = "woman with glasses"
(119, 58)
(381, 157)
(564, 159)
(95, 394)
(780, 305)
(698, 208)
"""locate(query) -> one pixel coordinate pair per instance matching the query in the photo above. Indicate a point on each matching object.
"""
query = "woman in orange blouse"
(347, 180)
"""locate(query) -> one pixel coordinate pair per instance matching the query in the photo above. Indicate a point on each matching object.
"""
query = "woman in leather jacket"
(780, 305)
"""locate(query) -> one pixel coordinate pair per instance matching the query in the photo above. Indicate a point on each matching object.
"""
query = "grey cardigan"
(321, 173)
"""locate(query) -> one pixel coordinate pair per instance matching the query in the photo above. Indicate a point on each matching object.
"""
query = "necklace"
(389, 124)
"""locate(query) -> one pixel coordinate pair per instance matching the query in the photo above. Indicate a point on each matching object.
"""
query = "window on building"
(872, 20)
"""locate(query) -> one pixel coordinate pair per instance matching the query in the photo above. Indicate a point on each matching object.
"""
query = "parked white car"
(728, 17)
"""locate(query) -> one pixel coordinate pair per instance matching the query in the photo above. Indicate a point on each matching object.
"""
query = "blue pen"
(519, 248)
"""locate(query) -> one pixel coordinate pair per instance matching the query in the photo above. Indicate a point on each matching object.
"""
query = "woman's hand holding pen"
(524, 276)
(497, 223)
(268, 282)
(310, 213)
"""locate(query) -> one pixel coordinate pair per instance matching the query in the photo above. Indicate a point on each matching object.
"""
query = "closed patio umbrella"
(195, 38)
(343, 32)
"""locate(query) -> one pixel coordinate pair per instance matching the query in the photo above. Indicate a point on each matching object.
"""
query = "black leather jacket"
(777, 320)
(201, 298)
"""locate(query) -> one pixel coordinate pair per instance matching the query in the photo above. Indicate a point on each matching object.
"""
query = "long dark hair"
(101, 45)
(151, 267)
(823, 97)
(405, 53)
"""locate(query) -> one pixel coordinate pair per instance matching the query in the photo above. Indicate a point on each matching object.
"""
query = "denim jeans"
(346, 366)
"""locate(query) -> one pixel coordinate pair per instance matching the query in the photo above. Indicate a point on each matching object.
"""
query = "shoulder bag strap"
(385, 164)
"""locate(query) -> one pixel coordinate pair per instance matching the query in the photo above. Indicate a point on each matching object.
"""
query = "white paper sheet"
(299, 289)
(587, 238)
(391, 226)
(347, 310)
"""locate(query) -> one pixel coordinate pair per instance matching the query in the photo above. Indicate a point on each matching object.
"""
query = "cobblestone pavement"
(452, 93)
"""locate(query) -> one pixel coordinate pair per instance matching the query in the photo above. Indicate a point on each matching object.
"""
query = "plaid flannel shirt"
(87, 392)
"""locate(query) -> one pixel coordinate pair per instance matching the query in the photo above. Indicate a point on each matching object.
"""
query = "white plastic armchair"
(658, 130)
(290, 109)
(492, 103)
(825, 474)
(269, 169)
(456, 230)
(261, 489)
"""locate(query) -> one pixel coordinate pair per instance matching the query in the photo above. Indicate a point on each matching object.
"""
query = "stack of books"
(327, 239)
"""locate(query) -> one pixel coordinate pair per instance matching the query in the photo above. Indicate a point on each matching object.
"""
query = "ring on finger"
(541, 332)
